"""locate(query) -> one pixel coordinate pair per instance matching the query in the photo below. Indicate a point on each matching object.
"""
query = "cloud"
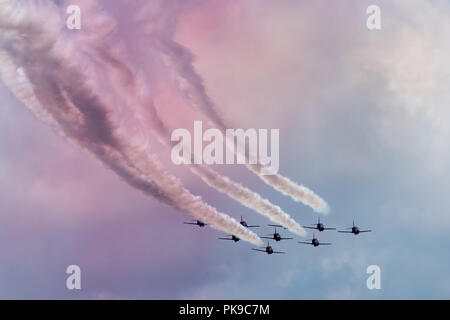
(356, 123)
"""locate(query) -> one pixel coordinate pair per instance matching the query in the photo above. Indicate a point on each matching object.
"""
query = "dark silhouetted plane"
(354, 229)
(197, 223)
(268, 250)
(231, 237)
(318, 226)
(244, 224)
(315, 242)
(275, 236)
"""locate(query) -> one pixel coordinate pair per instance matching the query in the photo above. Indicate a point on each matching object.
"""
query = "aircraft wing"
(276, 226)
(194, 223)
(287, 238)
(330, 228)
(224, 238)
(279, 252)
(259, 250)
(365, 230)
(252, 226)
(324, 244)
(309, 227)
(304, 242)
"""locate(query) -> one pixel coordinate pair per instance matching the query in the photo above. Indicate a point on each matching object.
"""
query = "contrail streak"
(134, 91)
(248, 198)
(240, 193)
(130, 88)
(70, 103)
(179, 60)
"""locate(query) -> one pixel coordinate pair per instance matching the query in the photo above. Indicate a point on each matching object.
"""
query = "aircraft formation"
(276, 236)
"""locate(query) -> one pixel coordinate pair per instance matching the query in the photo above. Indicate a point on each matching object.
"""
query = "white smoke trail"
(133, 90)
(248, 198)
(70, 103)
(179, 60)
(235, 190)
